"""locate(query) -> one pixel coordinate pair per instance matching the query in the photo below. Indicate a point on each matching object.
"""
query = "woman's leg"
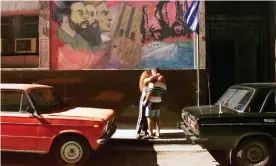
(140, 120)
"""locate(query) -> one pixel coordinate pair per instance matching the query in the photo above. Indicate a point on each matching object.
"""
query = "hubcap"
(71, 152)
(255, 154)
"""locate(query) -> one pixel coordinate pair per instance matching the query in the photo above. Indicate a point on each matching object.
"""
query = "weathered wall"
(117, 89)
(19, 5)
(41, 8)
(129, 35)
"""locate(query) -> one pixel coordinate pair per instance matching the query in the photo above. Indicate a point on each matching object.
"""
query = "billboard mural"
(120, 35)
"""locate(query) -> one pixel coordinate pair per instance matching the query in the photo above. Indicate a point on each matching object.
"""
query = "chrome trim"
(12, 123)
(266, 98)
(189, 125)
(40, 124)
(25, 151)
(27, 137)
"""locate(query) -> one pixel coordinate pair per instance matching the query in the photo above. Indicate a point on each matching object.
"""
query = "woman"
(142, 125)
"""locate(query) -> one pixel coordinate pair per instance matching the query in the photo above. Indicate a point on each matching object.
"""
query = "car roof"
(258, 85)
(24, 87)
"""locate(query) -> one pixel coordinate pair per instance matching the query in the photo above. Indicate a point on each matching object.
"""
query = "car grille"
(190, 121)
(108, 126)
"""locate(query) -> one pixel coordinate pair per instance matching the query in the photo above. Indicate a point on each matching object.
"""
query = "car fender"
(254, 134)
(67, 132)
(250, 135)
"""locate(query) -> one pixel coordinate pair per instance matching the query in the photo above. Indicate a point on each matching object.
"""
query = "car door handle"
(270, 120)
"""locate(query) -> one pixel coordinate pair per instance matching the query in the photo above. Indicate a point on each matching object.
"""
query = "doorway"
(237, 44)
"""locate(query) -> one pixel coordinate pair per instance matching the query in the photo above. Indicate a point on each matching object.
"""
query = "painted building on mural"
(120, 35)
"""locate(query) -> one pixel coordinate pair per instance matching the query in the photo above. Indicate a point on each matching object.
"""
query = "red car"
(34, 119)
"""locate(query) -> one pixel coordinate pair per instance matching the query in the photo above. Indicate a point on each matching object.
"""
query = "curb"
(158, 148)
(177, 141)
(169, 141)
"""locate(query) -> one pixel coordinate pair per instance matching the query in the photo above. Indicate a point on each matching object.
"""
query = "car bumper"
(108, 135)
(190, 136)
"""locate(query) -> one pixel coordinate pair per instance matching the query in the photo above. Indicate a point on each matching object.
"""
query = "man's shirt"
(156, 89)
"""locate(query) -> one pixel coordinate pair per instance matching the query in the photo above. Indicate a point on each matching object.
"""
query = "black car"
(241, 124)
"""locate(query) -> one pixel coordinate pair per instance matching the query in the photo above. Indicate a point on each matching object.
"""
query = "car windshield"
(235, 99)
(45, 100)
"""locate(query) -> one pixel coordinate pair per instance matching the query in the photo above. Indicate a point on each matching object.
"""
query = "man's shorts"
(153, 110)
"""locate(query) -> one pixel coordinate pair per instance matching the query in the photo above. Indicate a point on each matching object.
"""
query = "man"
(153, 102)
(92, 34)
(142, 125)
(105, 19)
(72, 19)
(73, 51)
(162, 16)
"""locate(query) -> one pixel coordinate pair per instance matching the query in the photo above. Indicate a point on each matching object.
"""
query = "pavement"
(169, 136)
(119, 155)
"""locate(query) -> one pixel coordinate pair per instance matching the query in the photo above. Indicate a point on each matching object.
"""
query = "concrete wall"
(19, 5)
(41, 8)
(116, 89)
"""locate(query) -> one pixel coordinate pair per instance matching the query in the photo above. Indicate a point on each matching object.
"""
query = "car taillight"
(183, 116)
(194, 125)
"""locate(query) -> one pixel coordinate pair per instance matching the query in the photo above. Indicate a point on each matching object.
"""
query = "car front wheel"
(252, 153)
(72, 151)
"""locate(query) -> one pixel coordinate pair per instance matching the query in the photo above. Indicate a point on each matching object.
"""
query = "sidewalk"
(169, 136)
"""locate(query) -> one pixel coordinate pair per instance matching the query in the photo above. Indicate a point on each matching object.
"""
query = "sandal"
(148, 137)
(158, 136)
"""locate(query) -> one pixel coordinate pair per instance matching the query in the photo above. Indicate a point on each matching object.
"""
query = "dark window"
(19, 35)
(13, 101)
(270, 103)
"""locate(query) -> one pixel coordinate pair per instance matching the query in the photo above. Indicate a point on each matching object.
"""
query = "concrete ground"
(124, 154)
(124, 150)
(127, 153)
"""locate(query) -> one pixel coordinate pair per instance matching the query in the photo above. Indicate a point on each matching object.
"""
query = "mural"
(120, 35)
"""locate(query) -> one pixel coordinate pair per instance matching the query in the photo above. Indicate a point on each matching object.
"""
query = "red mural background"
(120, 35)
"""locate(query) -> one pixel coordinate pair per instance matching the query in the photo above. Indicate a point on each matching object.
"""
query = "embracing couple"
(152, 85)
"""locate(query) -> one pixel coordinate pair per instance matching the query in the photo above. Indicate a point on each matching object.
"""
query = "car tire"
(72, 151)
(252, 153)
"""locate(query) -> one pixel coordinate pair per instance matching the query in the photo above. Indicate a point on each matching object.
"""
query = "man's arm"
(149, 79)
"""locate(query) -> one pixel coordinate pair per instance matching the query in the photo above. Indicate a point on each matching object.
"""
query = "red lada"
(34, 119)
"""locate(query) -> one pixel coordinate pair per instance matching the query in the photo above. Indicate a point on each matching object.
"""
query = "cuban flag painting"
(191, 16)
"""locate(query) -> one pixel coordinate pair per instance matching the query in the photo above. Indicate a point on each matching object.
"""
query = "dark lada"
(242, 123)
